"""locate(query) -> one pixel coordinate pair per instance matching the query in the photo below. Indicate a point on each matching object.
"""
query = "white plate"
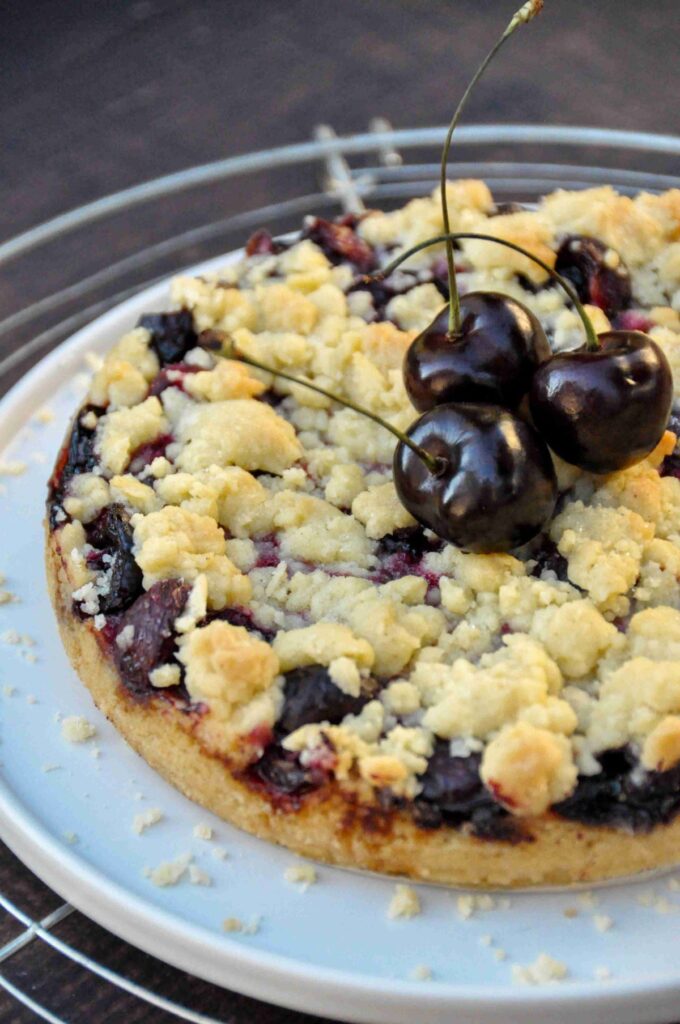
(331, 950)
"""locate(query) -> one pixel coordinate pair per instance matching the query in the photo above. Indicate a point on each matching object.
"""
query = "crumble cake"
(241, 590)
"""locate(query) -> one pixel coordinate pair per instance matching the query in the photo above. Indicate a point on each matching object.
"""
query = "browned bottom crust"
(325, 827)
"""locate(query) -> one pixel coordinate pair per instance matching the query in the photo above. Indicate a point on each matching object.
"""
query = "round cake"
(240, 587)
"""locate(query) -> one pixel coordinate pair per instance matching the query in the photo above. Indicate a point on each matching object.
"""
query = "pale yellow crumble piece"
(381, 511)
(405, 902)
(121, 432)
(421, 972)
(602, 922)
(229, 379)
(197, 876)
(175, 543)
(87, 495)
(130, 491)
(165, 675)
(170, 872)
(236, 432)
(544, 970)
(528, 769)
(77, 729)
(320, 644)
(301, 875)
(232, 672)
(203, 831)
(146, 819)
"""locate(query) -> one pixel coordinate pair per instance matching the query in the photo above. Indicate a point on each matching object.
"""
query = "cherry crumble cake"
(241, 589)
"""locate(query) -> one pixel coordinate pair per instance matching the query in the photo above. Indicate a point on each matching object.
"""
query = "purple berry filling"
(172, 334)
(111, 534)
(581, 259)
(623, 796)
(152, 617)
(340, 243)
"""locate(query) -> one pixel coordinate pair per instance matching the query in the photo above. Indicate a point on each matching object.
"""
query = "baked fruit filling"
(236, 542)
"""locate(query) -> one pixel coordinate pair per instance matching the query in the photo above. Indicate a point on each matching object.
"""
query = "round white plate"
(331, 950)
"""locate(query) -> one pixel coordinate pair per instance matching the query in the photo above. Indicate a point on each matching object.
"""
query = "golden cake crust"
(327, 827)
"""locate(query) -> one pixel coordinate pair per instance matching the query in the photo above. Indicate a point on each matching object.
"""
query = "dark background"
(97, 95)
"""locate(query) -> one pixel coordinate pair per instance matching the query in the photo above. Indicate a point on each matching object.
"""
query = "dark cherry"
(623, 796)
(607, 409)
(76, 456)
(496, 487)
(281, 772)
(172, 334)
(261, 243)
(453, 793)
(492, 359)
(310, 695)
(111, 533)
(153, 616)
(339, 242)
(581, 259)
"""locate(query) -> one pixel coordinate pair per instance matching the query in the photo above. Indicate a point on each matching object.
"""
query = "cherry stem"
(592, 342)
(521, 17)
(433, 463)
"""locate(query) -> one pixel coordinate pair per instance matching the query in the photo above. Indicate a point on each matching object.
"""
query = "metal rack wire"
(385, 176)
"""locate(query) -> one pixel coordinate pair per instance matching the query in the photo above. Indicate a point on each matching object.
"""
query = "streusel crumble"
(244, 593)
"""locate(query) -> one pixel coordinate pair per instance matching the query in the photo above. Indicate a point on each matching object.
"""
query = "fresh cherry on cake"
(607, 408)
(493, 487)
(491, 358)
(484, 347)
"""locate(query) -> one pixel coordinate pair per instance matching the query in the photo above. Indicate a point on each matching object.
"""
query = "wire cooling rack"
(54, 285)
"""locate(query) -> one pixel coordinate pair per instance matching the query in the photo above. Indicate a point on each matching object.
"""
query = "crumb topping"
(278, 509)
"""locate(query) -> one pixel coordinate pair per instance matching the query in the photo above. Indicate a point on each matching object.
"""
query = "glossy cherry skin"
(604, 410)
(497, 486)
(499, 347)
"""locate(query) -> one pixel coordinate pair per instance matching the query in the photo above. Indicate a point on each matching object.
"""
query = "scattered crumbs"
(146, 819)
(70, 837)
(602, 922)
(199, 877)
(544, 970)
(646, 898)
(9, 691)
(570, 912)
(674, 884)
(588, 900)
(602, 974)
(421, 972)
(404, 903)
(38, 457)
(301, 875)
(469, 903)
(203, 831)
(76, 729)
(219, 853)
(235, 924)
(10, 636)
(7, 597)
(12, 468)
(500, 953)
(169, 872)
(486, 940)
(31, 699)
(29, 656)
(43, 415)
(51, 768)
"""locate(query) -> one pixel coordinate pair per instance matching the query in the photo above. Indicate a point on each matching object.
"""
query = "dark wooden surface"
(101, 94)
